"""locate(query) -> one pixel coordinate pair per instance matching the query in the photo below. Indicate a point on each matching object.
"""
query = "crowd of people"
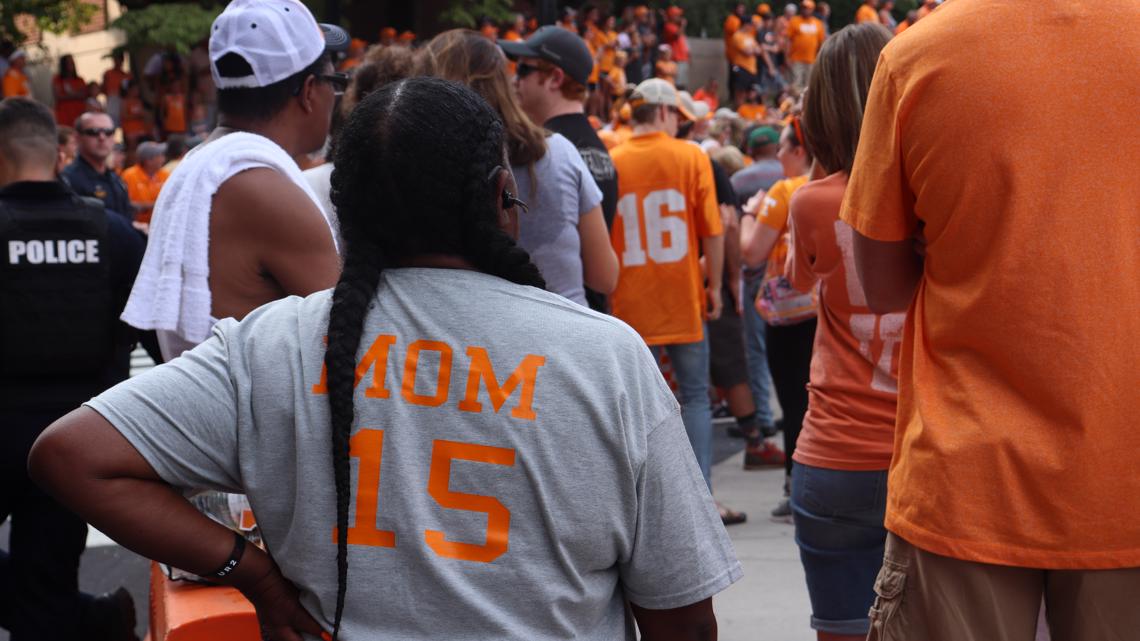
(503, 276)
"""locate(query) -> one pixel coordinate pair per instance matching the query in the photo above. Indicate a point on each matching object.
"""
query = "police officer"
(66, 268)
(88, 174)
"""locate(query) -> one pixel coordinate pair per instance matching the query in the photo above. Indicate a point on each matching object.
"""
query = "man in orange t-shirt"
(731, 24)
(805, 37)
(1015, 461)
(668, 214)
(745, 48)
(144, 179)
(867, 13)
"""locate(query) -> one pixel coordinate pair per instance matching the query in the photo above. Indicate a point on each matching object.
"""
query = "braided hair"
(414, 174)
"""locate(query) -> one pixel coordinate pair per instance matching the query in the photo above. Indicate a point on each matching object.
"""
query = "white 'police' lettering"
(53, 252)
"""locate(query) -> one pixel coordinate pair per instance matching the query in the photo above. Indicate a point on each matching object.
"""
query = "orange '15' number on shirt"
(368, 447)
(667, 237)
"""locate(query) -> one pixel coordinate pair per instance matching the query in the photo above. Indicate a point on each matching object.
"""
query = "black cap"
(560, 47)
(336, 39)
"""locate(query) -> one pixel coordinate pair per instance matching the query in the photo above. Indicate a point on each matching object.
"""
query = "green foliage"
(466, 13)
(177, 25)
(56, 16)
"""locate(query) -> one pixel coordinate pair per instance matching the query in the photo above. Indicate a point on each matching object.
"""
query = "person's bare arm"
(732, 263)
(599, 261)
(694, 622)
(285, 229)
(756, 241)
(889, 272)
(713, 247)
(89, 467)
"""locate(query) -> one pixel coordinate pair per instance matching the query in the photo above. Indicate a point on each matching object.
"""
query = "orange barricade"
(182, 611)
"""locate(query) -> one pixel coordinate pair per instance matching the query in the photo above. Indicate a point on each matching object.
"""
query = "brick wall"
(98, 22)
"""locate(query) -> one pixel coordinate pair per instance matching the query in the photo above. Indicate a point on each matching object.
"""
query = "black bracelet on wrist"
(235, 558)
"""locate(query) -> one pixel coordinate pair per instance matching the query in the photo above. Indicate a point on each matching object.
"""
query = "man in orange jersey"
(805, 36)
(668, 214)
(867, 12)
(1015, 471)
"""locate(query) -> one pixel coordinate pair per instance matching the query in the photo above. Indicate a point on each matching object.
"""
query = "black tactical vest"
(56, 314)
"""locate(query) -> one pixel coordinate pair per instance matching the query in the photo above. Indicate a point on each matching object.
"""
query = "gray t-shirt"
(487, 400)
(560, 191)
(761, 174)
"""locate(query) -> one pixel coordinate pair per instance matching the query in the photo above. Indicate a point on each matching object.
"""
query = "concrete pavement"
(770, 603)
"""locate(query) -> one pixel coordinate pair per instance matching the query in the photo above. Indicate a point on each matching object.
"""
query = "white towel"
(172, 290)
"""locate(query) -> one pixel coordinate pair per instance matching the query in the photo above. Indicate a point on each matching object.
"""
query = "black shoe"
(111, 617)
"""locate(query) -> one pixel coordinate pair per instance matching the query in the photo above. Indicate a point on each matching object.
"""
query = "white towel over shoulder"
(172, 290)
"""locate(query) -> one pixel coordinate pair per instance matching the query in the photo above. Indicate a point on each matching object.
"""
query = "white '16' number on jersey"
(657, 225)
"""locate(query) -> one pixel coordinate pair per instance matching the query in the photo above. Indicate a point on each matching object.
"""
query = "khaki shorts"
(926, 597)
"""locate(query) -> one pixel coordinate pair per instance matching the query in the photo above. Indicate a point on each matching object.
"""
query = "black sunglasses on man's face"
(96, 132)
(524, 69)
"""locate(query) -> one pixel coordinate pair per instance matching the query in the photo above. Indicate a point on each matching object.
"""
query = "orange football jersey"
(666, 205)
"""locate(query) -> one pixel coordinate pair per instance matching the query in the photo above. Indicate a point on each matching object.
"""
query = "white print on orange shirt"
(479, 370)
(657, 225)
(864, 327)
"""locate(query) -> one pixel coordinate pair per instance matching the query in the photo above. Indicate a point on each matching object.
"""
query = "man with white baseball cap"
(667, 217)
(237, 225)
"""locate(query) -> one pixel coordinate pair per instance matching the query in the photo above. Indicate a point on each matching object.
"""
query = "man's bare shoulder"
(263, 195)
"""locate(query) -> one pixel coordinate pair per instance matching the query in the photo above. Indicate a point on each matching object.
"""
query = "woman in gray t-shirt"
(504, 463)
(564, 230)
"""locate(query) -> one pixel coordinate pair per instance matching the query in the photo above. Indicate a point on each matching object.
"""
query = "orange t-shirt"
(143, 188)
(903, 26)
(805, 37)
(866, 13)
(708, 98)
(1017, 439)
(617, 81)
(606, 42)
(16, 84)
(174, 113)
(750, 111)
(113, 81)
(666, 205)
(850, 422)
(68, 110)
(740, 47)
(613, 137)
(133, 116)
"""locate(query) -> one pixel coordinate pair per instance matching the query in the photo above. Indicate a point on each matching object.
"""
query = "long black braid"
(411, 176)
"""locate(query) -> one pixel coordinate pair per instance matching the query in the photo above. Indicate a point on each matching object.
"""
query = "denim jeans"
(759, 377)
(691, 369)
(839, 529)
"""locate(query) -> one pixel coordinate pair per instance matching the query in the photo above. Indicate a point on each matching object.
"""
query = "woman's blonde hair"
(468, 57)
(837, 94)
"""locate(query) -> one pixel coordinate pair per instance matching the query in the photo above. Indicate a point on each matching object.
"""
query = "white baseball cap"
(278, 38)
(656, 91)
